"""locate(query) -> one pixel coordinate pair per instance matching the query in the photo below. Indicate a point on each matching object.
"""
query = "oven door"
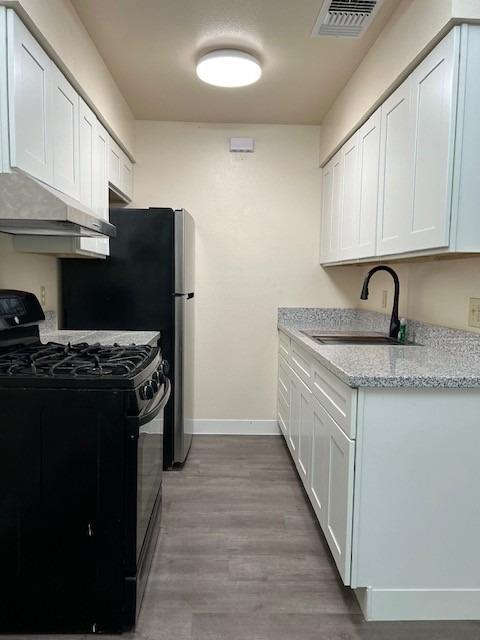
(150, 464)
(143, 497)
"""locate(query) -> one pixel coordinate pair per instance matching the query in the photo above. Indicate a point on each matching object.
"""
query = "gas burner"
(72, 361)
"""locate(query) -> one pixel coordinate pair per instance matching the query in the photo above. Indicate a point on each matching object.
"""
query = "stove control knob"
(165, 367)
(154, 384)
(146, 392)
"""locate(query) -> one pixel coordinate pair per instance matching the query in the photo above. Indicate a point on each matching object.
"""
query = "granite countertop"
(50, 333)
(447, 358)
(123, 338)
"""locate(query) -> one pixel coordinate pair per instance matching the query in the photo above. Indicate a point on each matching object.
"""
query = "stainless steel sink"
(353, 337)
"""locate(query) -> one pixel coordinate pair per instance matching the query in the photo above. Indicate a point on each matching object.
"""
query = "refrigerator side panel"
(184, 377)
(184, 252)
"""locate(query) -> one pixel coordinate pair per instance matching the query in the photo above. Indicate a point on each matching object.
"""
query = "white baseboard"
(419, 604)
(236, 427)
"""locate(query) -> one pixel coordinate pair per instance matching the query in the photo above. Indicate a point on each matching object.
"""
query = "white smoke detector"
(345, 18)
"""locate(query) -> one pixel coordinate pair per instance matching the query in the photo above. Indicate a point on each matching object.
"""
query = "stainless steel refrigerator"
(147, 283)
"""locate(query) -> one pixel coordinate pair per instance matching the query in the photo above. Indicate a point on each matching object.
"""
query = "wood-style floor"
(241, 557)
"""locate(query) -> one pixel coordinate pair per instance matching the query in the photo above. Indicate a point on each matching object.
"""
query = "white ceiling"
(151, 46)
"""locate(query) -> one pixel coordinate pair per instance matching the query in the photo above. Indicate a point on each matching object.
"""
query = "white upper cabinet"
(369, 164)
(434, 90)
(332, 188)
(349, 209)
(29, 102)
(418, 132)
(408, 186)
(87, 131)
(101, 183)
(326, 226)
(65, 126)
(396, 171)
(120, 171)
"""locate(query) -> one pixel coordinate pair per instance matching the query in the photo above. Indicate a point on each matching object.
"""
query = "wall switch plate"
(43, 296)
(474, 313)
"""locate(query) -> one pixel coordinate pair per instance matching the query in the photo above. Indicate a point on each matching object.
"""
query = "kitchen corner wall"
(432, 290)
(257, 218)
(28, 272)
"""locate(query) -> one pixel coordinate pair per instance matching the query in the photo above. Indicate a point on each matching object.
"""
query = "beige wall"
(257, 218)
(28, 272)
(60, 25)
(435, 291)
(411, 29)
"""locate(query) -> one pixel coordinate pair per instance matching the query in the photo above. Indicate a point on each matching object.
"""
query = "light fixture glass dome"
(228, 68)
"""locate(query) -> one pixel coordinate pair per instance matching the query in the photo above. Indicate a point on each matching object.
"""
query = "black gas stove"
(81, 433)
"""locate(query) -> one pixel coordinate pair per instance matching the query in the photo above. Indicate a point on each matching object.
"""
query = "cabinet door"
(66, 154)
(114, 163)
(283, 407)
(87, 131)
(350, 209)
(294, 422)
(396, 174)
(300, 426)
(29, 102)
(101, 183)
(326, 214)
(332, 208)
(305, 428)
(126, 176)
(337, 205)
(100, 190)
(434, 90)
(331, 486)
(369, 164)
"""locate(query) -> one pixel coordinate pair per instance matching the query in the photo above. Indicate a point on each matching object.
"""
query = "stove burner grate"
(78, 360)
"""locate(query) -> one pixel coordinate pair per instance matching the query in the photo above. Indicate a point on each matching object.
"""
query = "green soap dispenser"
(402, 334)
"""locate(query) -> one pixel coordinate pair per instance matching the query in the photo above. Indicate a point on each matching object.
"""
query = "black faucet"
(394, 322)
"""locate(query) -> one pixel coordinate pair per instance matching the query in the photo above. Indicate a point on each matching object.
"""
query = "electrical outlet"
(474, 313)
(43, 296)
(384, 298)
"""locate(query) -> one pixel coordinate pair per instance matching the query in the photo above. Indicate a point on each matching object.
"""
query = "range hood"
(29, 207)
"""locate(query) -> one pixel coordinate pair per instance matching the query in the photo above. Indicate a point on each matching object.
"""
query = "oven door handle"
(157, 407)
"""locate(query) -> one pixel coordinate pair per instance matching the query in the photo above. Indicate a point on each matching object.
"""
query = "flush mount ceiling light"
(228, 68)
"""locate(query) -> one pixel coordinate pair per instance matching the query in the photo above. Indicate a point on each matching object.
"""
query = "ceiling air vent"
(345, 18)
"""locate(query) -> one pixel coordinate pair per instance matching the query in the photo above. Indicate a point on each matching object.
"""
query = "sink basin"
(353, 337)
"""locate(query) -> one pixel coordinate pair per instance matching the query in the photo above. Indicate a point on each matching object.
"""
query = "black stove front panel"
(62, 525)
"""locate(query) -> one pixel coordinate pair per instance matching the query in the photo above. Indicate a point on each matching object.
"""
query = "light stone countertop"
(50, 333)
(122, 338)
(448, 358)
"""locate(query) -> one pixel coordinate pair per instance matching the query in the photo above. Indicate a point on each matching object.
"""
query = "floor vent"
(345, 18)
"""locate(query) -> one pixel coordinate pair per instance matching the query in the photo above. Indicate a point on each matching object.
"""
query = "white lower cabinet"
(322, 452)
(331, 485)
(392, 475)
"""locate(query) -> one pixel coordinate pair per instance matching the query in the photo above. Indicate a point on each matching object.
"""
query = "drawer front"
(337, 398)
(284, 346)
(301, 362)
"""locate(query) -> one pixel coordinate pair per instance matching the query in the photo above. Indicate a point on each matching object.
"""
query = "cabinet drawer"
(301, 362)
(337, 398)
(284, 346)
